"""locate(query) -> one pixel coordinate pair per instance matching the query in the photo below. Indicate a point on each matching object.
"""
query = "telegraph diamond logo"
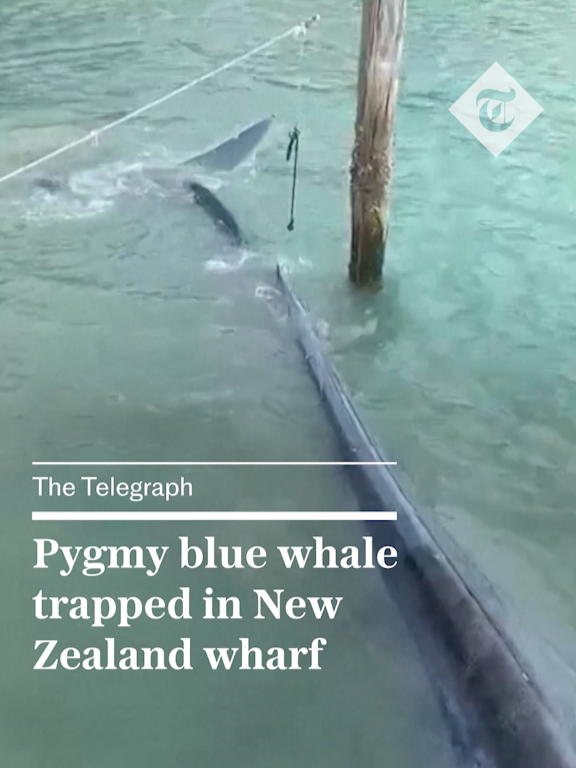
(496, 109)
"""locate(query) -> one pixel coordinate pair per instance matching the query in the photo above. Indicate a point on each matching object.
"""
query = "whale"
(495, 707)
(223, 157)
(233, 151)
(221, 215)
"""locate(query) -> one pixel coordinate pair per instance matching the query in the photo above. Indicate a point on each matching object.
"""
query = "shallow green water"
(122, 339)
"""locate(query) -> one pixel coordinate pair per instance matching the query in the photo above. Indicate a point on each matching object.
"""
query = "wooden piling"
(383, 23)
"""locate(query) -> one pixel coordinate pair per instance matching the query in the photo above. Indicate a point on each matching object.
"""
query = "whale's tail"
(223, 157)
(232, 152)
(217, 211)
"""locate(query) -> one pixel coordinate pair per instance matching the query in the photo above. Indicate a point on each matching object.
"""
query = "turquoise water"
(128, 334)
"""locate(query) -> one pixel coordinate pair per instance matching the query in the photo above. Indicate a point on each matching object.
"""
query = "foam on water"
(87, 193)
(219, 264)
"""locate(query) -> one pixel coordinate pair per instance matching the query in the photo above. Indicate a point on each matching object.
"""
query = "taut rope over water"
(93, 136)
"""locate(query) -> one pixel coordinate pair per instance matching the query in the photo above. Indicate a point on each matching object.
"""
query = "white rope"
(95, 135)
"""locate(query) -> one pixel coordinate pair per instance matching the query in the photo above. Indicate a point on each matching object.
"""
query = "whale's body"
(497, 713)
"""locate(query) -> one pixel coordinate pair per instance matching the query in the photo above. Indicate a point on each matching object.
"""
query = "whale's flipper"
(227, 156)
(216, 210)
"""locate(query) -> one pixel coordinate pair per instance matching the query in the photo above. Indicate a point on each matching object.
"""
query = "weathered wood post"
(383, 24)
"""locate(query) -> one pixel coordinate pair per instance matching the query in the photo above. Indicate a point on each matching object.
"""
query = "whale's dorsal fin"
(233, 151)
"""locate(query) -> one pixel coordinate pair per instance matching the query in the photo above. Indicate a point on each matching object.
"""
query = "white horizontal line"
(209, 463)
(168, 516)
